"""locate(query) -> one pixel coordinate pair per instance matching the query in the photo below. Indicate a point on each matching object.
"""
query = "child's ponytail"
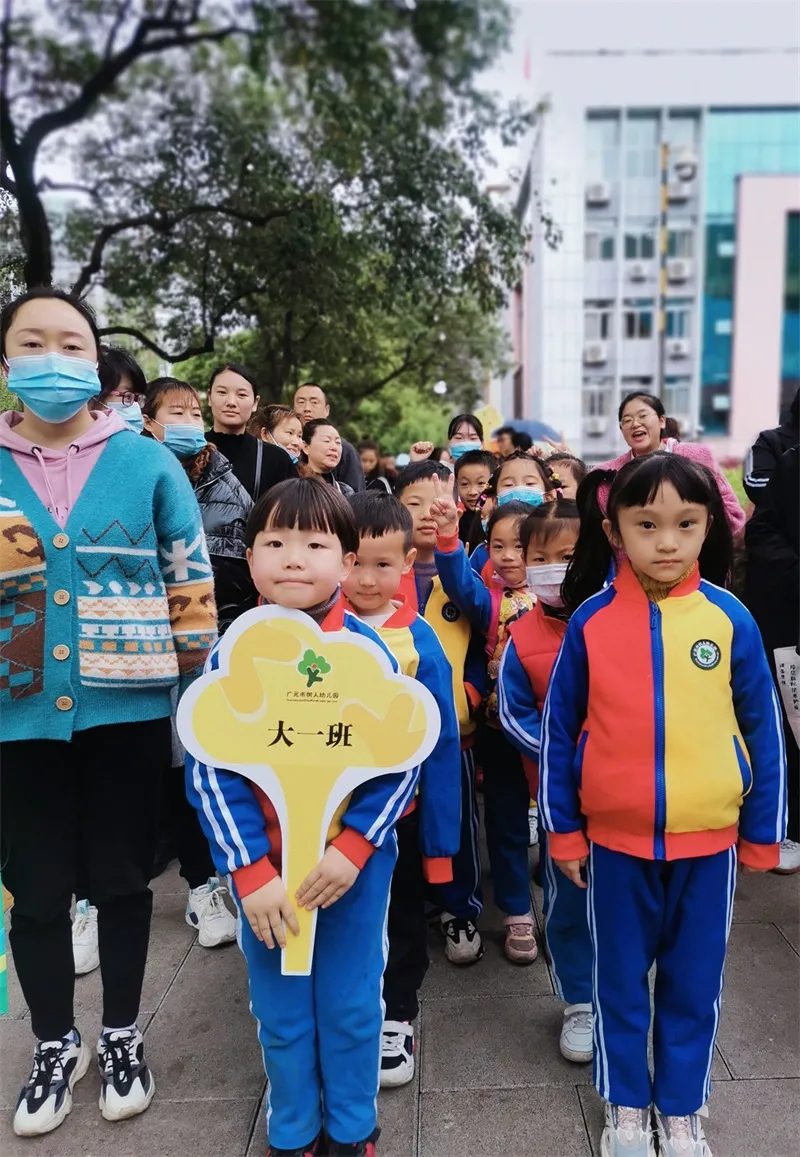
(592, 557)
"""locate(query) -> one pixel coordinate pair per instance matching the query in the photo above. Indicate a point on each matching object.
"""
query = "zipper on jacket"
(657, 650)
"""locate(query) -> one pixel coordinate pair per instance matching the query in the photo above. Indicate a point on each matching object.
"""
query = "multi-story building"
(692, 109)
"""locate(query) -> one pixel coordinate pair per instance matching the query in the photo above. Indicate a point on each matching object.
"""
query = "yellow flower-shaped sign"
(308, 717)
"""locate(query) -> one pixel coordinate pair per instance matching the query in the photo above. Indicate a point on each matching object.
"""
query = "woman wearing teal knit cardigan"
(106, 604)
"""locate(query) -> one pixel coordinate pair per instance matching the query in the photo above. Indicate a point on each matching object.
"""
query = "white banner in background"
(787, 665)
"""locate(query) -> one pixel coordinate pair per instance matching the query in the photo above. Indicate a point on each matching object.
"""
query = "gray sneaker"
(681, 1136)
(628, 1133)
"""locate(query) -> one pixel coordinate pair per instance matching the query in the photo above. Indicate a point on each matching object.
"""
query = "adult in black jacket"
(768, 447)
(310, 402)
(233, 400)
(772, 537)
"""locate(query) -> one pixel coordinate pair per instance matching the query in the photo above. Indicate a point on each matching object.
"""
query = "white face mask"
(545, 582)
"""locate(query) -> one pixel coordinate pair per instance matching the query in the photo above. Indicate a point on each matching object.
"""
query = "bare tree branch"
(45, 185)
(124, 9)
(162, 223)
(190, 351)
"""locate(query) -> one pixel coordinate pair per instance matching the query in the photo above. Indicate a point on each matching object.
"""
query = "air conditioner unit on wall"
(678, 192)
(679, 269)
(598, 193)
(637, 271)
(595, 426)
(677, 347)
(595, 353)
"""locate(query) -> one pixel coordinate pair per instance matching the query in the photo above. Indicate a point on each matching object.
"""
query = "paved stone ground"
(490, 1081)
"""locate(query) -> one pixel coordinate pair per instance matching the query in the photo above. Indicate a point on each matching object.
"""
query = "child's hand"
(421, 451)
(572, 870)
(333, 876)
(266, 910)
(444, 511)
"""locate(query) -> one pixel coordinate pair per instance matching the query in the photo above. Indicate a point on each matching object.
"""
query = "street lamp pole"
(663, 242)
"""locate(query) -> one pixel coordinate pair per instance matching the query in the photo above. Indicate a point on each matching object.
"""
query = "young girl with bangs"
(662, 767)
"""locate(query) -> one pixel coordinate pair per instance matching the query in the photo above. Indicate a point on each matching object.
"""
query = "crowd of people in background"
(601, 691)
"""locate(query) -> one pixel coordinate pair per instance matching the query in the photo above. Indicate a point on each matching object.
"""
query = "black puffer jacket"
(224, 506)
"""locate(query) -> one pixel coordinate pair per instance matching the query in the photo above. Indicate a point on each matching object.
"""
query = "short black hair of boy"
(378, 513)
(521, 441)
(417, 471)
(305, 504)
(547, 521)
(476, 458)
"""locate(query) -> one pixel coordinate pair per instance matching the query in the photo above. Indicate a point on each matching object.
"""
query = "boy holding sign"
(321, 1032)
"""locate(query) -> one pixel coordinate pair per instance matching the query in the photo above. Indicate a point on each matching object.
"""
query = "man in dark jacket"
(311, 401)
(766, 450)
(771, 593)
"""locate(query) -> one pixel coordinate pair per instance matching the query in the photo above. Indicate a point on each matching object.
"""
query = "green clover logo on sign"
(314, 667)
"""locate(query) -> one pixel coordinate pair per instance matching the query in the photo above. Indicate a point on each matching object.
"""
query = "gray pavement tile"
(790, 930)
(759, 1034)
(202, 1041)
(497, 1123)
(496, 1042)
(491, 976)
(754, 1119)
(167, 1129)
(169, 881)
(763, 897)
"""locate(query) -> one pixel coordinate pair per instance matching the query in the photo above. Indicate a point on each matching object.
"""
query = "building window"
(676, 396)
(597, 398)
(680, 130)
(680, 243)
(641, 146)
(602, 147)
(598, 321)
(679, 319)
(599, 247)
(640, 246)
(638, 320)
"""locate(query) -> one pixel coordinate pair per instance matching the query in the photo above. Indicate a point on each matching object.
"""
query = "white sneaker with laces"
(128, 1086)
(85, 949)
(533, 825)
(576, 1034)
(628, 1133)
(46, 1097)
(789, 861)
(207, 914)
(682, 1136)
(397, 1053)
(462, 940)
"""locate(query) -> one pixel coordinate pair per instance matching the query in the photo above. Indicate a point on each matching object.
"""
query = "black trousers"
(94, 799)
(408, 927)
(181, 825)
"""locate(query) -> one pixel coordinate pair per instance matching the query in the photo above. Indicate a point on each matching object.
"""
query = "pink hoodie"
(697, 453)
(58, 476)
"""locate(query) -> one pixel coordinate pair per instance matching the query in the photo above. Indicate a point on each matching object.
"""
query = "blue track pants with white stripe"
(321, 1034)
(463, 896)
(566, 930)
(674, 914)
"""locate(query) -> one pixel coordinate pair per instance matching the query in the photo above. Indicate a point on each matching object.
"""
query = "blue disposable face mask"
(527, 494)
(131, 415)
(183, 440)
(294, 457)
(459, 449)
(53, 386)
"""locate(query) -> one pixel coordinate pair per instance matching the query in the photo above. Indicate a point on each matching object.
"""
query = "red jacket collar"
(404, 615)
(407, 591)
(629, 586)
(333, 621)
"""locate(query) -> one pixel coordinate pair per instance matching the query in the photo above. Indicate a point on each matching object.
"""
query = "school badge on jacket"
(309, 717)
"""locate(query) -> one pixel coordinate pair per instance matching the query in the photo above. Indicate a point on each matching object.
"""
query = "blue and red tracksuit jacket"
(661, 733)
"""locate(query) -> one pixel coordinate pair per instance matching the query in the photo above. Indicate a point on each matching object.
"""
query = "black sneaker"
(128, 1084)
(462, 940)
(46, 1097)
(357, 1148)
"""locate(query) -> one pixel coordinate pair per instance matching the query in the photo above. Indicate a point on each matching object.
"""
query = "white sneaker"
(85, 947)
(789, 861)
(207, 914)
(128, 1086)
(46, 1097)
(397, 1053)
(576, 1034)
(628, 1133)
(462, 940)
(533, 825)
(682, 1136)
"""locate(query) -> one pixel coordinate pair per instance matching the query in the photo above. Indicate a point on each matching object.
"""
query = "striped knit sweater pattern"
(100, 619)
